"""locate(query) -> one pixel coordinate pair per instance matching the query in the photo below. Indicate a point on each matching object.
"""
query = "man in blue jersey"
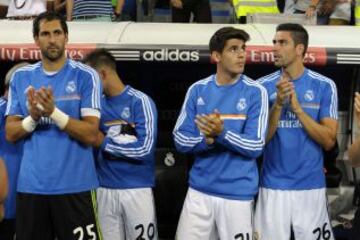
(302, 122)
(125, 164)
(11, 154)
(222, 123)
(54, 107)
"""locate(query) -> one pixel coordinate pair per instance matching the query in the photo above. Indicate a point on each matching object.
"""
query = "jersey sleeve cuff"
(104, 143)
(90, 112)
(206, 146)
(221, 138)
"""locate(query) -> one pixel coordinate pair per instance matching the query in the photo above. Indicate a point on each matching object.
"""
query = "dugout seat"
(170, 189)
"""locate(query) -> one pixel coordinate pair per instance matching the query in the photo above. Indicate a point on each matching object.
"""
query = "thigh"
(110, 214)
(272, 215)
(75, 216)
(234, 219)
(197, 219)
(310, 217)
(202, 12)
(7, 229)
(33, 217)
(139, 213)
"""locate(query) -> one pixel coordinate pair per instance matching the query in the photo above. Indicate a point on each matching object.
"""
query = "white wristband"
(28, 124)
(60, 118)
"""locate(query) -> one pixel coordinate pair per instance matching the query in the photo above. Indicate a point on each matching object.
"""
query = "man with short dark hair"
(126, 163)
(222, 123)
(54, 106)
(302, 122)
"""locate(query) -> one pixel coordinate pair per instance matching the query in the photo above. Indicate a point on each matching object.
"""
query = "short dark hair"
(48, 16)
(218, 40)
(100, 57)
(298, 33)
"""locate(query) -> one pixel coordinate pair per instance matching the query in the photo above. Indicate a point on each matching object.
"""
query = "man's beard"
(53, 55)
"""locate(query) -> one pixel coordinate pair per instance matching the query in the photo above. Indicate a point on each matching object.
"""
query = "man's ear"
(300, 48)
(102, 73)
(215, 57)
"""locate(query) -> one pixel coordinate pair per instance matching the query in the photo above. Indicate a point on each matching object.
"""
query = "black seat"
(170, 190)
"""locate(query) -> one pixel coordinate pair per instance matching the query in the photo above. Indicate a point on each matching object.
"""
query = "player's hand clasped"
(210, 125)
(44, 101)
(286, 92)
(42, 104)
(34, 111)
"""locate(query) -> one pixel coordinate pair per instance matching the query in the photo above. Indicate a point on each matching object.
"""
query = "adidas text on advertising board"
(172, 55)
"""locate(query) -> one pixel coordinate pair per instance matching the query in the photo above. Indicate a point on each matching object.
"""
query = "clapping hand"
(210, 125)
(45, 101)
(34, 111)
(284, 89)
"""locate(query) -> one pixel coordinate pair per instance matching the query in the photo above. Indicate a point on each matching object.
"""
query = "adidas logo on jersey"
(273, 96)
(200, 101)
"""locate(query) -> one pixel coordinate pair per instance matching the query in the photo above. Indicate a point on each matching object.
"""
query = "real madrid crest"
(309, 95)
(125, 112)
(70, 87)
(241, 105)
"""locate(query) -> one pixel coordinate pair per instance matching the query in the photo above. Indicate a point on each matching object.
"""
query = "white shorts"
(305, 211)
(127, 214)
(206, 217)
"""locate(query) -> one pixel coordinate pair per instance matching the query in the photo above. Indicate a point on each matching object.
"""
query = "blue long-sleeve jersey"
(11, 154)
(134, 166)
(52, 161)
(226, 168)
(292, 159)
